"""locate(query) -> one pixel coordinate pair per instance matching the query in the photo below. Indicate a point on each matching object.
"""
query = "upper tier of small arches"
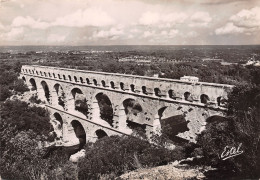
(122, 84)
(122, 75)
(103, 84)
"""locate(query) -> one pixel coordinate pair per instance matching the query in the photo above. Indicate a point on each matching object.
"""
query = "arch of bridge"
(32, 82)
(54, 91)
(69, 94)
(95, 92)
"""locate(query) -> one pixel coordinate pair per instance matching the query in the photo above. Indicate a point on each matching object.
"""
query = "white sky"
(129, 22)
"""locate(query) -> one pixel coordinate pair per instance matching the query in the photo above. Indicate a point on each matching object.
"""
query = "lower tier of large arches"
(73, 129)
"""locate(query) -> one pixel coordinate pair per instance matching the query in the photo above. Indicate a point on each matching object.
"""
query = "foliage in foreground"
(22, 117)
(21, 129)
(22, 159)
(113, 156)
(242, 125)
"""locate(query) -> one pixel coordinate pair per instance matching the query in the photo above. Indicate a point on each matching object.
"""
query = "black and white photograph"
(129, 89)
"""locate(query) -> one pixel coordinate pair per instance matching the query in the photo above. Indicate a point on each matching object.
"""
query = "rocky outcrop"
(167, 172)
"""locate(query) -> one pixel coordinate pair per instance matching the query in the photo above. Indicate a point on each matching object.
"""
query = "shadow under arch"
(112, 85)
(131, 105)
(216, 118)
(58, 95)
(134, 115)
(157, 92)
(23, 78)
(172, 122)
(105, 108)
(58, 117)
(46, 90)
(172, 94)
(100, 133)
(221, 101)
(103, 83)
(77, 101)
(58, 124)
(33, 84)
(204, 98)
(187, 96)
(79, 132)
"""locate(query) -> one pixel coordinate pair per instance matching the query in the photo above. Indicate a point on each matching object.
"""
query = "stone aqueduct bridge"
(130, 100)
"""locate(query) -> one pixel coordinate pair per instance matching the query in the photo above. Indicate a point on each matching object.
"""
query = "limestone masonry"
(74, 99)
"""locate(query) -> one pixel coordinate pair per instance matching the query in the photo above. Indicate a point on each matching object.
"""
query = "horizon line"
(142, 45)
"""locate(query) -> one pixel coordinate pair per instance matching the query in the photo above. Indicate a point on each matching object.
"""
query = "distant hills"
(124, 48)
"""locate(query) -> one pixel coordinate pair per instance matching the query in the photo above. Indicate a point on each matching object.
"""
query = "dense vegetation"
(23, 117)
(112, 156)
(22, 127)
(9, 82)
(241, 128)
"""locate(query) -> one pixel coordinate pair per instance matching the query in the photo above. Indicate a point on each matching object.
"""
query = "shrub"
(22, 159)
(34, 99)
(120, 154)
(213, 140)
(20, 86)
(18, 155)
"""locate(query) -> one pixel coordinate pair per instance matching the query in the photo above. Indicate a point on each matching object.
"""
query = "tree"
(20, 86)
(7, 77)
(23, 159)
(17, 67)
(23, 117)
(22, 127)
(244, 110)
(241, 125)
(4, 93)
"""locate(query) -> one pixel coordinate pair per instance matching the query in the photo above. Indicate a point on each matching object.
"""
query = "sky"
(129, 22)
